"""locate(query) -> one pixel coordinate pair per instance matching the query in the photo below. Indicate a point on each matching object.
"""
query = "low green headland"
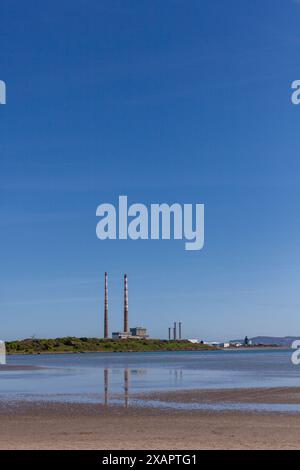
(84, 345)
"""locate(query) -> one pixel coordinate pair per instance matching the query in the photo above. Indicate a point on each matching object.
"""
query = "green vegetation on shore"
(82, 345)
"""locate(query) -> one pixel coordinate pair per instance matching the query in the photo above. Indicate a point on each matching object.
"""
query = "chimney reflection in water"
(105, 387)
(126, 386)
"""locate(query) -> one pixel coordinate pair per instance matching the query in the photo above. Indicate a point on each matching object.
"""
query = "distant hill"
(268, 340)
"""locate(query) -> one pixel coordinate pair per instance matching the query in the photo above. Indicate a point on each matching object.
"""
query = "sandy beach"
(41, 425)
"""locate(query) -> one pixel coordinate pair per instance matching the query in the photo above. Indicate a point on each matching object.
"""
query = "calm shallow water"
(115, 377)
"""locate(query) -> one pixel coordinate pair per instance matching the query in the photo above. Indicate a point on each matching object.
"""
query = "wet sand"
(43, 425)
(280, 395)
(7, 368)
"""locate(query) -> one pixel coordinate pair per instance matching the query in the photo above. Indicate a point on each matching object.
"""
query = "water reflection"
(120, 378)
(126, 375)
(175, 377)
(105, 372)
(126, 387)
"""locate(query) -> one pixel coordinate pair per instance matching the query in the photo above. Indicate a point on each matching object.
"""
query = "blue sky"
(169, 101)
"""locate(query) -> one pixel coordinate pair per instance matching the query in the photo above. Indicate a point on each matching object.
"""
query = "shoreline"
(211, 349)
(12, 367)
(255, 395)
(49, 353)
(145, 400)
(57, 426)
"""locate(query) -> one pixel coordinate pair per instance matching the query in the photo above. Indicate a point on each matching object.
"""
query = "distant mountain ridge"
(279, 340)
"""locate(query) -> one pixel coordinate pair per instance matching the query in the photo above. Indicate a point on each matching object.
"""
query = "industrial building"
(174, 330)
(135, 333)
(139, 331)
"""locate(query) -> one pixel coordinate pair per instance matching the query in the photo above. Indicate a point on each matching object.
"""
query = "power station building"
(136, 333)
(139, 331)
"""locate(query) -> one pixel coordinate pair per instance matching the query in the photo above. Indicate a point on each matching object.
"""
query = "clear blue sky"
(165, 101)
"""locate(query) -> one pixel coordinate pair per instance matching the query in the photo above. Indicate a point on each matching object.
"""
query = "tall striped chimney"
(126, 329)
(179, 331)
(105, 306)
